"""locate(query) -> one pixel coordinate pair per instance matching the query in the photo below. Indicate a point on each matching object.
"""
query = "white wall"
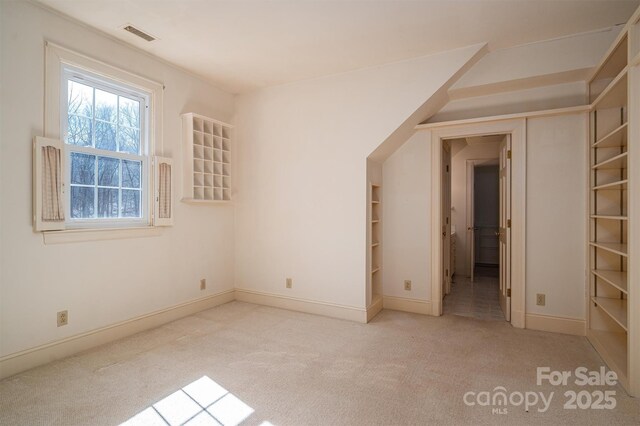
(104, 282)
(407, 219)
(461, 152)
(555, 230)
(557, 56)
(556, 205)
(301, 201)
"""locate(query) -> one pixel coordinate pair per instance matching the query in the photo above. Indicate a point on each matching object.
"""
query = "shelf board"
(616, 248)
(375, 221)
(375, 202)
(617, 162)
(617, 279)
(621, 184)
(610, 140)
(374, 270)
(376, 244)
(612, 346)
(615, 308)
(615, 94)
(608, 217)
(200, 201)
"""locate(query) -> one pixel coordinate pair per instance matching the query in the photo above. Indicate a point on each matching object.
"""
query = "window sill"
(84, 235)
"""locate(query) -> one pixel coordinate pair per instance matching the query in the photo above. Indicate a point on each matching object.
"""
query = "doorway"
(475, 197)
(513, 241)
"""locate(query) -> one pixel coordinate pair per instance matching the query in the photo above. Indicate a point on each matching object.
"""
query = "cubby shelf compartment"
(207, 160)
(617, 279)
(616, 248)
(620, 184)
(615, 308)
(617, 162)
(614, 139)
(612, 346)
(615, 94)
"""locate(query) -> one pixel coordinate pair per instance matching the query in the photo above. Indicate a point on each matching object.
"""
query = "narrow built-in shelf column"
(376, 249)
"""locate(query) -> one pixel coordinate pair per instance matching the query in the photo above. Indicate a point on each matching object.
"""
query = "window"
(106, 149)
(96, 166)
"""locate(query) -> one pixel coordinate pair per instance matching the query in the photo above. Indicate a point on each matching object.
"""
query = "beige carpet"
(289, 368)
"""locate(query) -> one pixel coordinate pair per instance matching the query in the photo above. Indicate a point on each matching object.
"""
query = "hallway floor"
(477, 299)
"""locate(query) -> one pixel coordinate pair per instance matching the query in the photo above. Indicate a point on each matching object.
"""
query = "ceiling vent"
(133, 30)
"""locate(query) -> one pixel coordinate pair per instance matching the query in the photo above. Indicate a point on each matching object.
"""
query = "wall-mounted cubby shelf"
(207, 159)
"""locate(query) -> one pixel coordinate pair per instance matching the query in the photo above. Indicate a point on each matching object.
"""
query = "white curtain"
(164, 191)
(52, 200)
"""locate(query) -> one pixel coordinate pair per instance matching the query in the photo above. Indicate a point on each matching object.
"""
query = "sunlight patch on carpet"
(201, 402)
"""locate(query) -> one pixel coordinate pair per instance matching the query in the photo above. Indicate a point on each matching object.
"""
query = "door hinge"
(509, 154)
(508, 223)
(508, 292)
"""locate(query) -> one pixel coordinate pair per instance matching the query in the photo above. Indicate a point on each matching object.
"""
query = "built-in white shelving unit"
(613, 322)
(207, 159)
(376, 247)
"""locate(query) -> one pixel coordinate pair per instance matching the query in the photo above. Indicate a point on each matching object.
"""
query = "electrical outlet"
(203, 284)
(407, 285)
(289, 282)
(540, 299)
(63, 318)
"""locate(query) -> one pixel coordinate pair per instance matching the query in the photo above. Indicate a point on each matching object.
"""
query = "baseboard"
(375, 308)
(350, 313)
(30, 358)
(576, 327)
(407, 305)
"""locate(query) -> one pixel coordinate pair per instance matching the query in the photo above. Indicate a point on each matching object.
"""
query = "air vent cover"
(139, 33)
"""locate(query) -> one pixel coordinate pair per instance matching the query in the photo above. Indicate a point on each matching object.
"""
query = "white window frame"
(89, 79)
(60, 63)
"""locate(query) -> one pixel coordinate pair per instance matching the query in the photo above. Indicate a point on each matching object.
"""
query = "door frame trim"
(517, 128)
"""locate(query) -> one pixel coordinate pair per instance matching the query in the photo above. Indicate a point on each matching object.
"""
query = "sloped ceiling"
(241, 45)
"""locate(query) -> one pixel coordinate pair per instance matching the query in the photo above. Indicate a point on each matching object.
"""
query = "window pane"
(129, 140)
(79, 131)
(82, 202)
(131, 174)
(80, 99)
(107, 202)
(105, 136)
(106, 106)
(108, 171)
(129, 113)
(83, 167)
(130, 203)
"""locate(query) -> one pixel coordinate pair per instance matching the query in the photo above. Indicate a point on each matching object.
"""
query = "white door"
(504, 232)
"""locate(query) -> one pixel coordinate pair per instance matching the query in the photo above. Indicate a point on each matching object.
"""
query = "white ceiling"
(240, 45)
